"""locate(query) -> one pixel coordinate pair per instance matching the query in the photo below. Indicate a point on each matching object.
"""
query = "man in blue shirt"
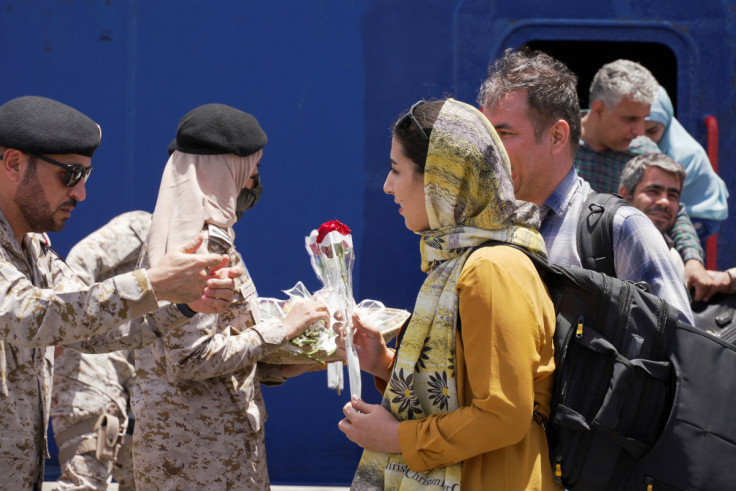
(653, 183)
(531, 100)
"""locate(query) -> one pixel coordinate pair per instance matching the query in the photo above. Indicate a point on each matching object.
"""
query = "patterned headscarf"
(470, 200)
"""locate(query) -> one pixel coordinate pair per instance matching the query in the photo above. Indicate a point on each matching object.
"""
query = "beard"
(661, 223)
(35, 207)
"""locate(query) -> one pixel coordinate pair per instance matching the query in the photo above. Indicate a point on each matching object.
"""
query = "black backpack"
(641, 400)
(595, 232)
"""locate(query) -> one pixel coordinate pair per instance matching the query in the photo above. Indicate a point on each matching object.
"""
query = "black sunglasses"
(74, 172)
(410, 116)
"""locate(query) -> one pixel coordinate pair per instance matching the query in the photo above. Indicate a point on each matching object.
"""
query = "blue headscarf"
(704, 194)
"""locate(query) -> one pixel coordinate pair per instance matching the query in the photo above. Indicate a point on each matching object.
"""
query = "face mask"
(247, 198)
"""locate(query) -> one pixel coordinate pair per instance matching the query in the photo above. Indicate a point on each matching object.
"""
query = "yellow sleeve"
(505, 312)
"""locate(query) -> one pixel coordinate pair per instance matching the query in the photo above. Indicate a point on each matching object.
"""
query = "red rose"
(327, 251)
(328, 227)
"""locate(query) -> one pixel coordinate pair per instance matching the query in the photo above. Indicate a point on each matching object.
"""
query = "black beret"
(41, 125)
(218, 128)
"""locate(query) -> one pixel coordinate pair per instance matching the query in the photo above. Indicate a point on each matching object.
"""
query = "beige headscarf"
(470, 200)
(197, 190)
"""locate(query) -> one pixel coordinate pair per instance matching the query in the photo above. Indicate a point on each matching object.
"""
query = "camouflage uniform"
(197, 400)
(86, 386)
(42, 304)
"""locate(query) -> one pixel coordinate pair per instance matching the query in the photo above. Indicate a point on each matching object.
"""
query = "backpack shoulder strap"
(539, 263)
(595, 232)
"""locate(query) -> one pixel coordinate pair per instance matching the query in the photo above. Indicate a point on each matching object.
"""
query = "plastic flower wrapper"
(318, 341)
(374, 313)
(332, 256)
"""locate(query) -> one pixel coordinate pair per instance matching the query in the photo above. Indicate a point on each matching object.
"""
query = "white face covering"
(197, 190)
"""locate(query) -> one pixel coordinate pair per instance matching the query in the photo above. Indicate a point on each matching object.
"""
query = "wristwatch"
(732, 276)
(187, 312)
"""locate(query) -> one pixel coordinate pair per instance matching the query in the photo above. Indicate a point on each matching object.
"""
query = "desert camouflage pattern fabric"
(88, 385)
(42, 304)
(197, 400)
(470, 200)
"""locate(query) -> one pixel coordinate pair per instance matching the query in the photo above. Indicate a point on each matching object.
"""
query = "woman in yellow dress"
(471, 382)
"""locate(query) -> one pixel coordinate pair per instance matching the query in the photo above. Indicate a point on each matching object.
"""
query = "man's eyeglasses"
(410, 116)
(74, 172)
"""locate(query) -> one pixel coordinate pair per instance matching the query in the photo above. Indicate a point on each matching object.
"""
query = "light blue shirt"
(640, 252)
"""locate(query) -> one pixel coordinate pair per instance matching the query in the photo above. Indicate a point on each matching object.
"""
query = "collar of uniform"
(7, 237)
(32, 240)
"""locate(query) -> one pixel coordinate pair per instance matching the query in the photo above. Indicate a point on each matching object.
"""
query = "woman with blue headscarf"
(704, 194)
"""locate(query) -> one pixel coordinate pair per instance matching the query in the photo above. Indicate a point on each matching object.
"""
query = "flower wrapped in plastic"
(332, 256)
(317, 343)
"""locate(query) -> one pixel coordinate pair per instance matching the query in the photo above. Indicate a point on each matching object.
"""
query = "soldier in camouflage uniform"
(45, 155)
(197, 400)
(88, 387)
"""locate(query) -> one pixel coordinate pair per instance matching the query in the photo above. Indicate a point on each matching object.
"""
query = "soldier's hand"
(181, 275)
(219, 291)
(304, 314)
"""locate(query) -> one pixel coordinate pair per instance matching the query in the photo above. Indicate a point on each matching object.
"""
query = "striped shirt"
(640, 252)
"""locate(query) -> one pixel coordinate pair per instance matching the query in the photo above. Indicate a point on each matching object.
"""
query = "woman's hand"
(304, 314)
(375, 357)
(370, 426)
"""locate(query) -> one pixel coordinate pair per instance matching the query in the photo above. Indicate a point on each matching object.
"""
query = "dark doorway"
(586, 57)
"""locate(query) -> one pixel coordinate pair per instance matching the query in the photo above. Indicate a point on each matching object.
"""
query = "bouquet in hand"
(317, 343)
(331, 253)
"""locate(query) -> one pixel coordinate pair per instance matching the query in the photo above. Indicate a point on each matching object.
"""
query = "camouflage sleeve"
(211, 345)
(114, 249)
(135, 334)
(70, 311)
(198, 351)
(685, 238)
(110, 248)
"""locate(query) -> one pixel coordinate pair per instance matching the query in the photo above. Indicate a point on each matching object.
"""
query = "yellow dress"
(505, 364)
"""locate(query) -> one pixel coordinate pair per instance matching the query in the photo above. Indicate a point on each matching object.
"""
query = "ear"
(625, 193)
(559, 134)
(597, 108)
(13, 164)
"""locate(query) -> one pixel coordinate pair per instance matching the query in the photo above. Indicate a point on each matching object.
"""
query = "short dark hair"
(415, 145)
(550, 86)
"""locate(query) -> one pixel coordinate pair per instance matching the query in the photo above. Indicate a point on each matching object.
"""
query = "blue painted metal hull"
(325, 79)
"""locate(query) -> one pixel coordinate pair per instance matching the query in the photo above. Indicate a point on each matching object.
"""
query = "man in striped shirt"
(531, 100)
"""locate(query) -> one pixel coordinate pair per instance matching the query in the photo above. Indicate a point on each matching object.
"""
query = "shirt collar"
(559, 200)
